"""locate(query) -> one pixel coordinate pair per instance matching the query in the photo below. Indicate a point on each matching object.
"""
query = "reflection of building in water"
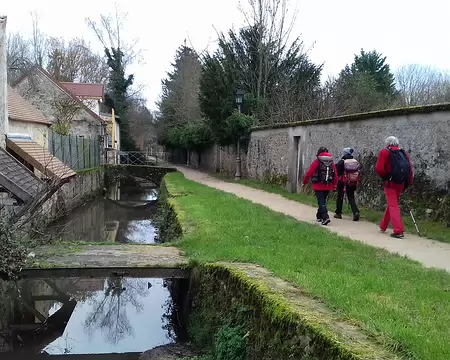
(6, 306)
(34, 313)
(114, 191)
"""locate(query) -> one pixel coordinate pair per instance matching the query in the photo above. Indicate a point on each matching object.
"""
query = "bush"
(230, 344)
(235, 127)
(13, 253)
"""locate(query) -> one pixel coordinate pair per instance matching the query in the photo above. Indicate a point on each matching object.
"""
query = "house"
(26, 161)
(90, 94)
(112, 130)
(59, 104)
(27, 138)
(112, 140)
(24, 118)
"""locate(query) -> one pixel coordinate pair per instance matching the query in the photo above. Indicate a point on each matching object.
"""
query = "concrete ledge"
(122, 256)
(426, 109)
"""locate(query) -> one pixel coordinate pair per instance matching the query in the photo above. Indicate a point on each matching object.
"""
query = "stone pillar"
(3, 83)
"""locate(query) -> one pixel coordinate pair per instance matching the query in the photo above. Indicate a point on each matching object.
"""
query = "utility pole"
(3, 84)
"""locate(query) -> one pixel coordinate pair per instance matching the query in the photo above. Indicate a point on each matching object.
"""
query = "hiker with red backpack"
(349, 177)
(322, 174)
(395, 168)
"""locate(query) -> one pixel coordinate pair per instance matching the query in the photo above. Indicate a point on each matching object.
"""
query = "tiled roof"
(22, 110)
(84, 90)
(40, 158)
(17, 179)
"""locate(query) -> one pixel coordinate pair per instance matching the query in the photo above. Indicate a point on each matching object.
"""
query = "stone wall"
(282, 154)
(43, 93)
(81, 188)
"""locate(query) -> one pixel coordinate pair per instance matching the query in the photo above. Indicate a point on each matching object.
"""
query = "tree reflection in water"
(109, 314)
(174, 317)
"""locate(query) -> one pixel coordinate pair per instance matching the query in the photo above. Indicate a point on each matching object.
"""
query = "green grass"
(429, 229)
(388, 294)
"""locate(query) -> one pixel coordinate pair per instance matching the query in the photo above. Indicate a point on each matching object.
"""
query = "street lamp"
(239, 101)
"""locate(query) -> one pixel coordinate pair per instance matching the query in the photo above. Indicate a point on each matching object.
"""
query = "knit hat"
(348, 151)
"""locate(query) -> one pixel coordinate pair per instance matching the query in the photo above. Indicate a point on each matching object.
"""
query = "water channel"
(96, 316)
(50, 316)
(125, 214)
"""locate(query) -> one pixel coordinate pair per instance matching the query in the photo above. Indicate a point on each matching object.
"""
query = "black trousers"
(350, 196)
(322, 211)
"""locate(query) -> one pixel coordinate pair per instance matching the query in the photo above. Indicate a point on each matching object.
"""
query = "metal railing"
(116, 157)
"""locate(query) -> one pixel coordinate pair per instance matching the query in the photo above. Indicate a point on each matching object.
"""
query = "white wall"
(94, 105)
(117, 135)
(38, 132)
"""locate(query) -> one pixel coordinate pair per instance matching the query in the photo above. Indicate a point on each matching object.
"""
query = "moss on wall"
(240, 299)
(422, 109)
(167, 217)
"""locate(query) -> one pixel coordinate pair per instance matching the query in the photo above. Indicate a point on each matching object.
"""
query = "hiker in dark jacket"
(322, 173)
(395, 168)
(347, 182)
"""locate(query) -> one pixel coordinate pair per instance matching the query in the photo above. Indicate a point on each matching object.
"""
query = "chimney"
(3, 83)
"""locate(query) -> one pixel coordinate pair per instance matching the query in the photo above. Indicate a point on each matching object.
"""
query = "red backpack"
(352, 173)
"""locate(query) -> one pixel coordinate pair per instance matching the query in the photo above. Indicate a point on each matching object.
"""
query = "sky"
(405, 31)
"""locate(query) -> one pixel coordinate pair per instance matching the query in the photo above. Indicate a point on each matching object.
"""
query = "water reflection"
(90, 315)
(124, 215)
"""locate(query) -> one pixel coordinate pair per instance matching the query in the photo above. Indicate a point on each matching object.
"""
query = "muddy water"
(123, 215)
(68, 316)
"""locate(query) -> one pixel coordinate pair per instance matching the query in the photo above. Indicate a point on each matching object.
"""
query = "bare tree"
(421, 85)
(270, 17)
(18, 57)
(142, 124)
(66, 109)
(38, 42)
(109, 32)
(75, 61)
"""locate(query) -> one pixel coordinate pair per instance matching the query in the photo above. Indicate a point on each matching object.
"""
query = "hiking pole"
(412, 217)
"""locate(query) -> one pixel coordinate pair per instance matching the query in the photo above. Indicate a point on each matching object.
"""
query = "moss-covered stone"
(278, 320)
(116, 173)
(168, 217)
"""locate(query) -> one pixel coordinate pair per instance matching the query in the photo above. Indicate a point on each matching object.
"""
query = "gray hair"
(391, 141)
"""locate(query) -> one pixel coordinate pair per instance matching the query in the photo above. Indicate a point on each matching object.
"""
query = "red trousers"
(392, 213)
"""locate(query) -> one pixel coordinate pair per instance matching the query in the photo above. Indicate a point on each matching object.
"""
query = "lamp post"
(239, 101)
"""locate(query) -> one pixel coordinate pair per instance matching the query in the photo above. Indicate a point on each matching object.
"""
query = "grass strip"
(388, 294)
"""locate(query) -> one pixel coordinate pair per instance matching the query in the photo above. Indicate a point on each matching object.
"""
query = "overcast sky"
(406, 31)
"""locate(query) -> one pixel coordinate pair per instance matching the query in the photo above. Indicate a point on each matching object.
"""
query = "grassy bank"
(430, 229)
(388, 294)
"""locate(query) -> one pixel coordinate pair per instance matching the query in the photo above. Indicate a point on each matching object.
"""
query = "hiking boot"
(397, 236)
(326, 222)
(356, 217)
(338, 216)
(319, 220)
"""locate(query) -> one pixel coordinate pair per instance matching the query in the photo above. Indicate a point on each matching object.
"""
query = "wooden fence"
(76, 152)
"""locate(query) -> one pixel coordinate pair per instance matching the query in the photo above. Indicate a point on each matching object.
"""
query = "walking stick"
(412, 217)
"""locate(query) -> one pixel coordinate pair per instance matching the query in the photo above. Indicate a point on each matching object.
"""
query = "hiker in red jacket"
(322, 174)
(395, 168)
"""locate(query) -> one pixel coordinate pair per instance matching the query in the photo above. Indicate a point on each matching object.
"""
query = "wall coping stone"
(412, 110)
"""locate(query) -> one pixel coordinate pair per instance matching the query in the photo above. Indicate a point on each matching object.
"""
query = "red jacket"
(383, 167)
(313, 171)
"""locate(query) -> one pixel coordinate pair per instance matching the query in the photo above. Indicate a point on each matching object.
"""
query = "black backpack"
(400, 167)
(325, 173)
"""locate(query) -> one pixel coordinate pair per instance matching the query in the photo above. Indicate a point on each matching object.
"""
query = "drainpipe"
(3, 84)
